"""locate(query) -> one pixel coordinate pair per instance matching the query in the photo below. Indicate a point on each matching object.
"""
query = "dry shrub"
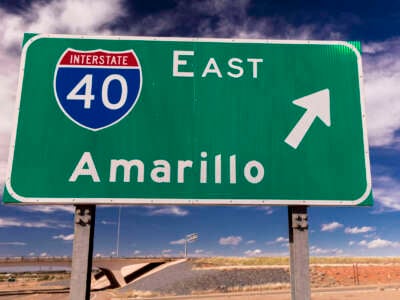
(139, 294)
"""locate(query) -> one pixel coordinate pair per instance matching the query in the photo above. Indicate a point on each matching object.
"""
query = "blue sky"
(238, 231)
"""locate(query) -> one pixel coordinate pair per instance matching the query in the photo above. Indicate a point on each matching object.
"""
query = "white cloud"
(199, 251)
(12, 244)
(69, 237)
(166, 252)
(250, 242)
(137, 252)
(56, 224)
(108, 222)
(3, 166)
(281, 239)
(357, 230)
(48, 209)
(382, 77)
(230, 240)
(387, 192)
(216, 18)
(322, 251)
(255, 252)
(168, 210)
(363, 243)
(370, 235)
(379, 243)
(267, 209)
(352, 243)
(12, 222)
(43, 254)
(331, 226)
(178, 242)
(60, 16)
(8, 87)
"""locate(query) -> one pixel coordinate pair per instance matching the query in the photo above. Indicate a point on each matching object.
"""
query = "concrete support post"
(82, 252)
(299, 253)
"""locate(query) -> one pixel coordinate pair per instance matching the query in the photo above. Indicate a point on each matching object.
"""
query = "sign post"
(299, 253)
(82, 252)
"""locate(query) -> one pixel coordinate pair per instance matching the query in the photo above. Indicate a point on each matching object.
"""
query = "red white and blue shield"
(97, 89)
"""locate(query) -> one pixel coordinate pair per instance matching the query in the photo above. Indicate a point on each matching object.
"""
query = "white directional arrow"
(316, 105)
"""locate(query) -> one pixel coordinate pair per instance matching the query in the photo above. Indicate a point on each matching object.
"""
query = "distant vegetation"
(239, 261)
(284, 261)
(37, 276)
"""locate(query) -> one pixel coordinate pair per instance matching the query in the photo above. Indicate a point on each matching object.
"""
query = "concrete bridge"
(108, 272)
(115, 274)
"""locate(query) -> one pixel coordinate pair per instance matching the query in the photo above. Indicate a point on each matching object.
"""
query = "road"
(353, 293)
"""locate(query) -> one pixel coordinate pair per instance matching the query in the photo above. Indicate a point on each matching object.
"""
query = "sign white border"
(166, 201)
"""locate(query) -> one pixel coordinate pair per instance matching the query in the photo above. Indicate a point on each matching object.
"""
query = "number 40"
(87, 97)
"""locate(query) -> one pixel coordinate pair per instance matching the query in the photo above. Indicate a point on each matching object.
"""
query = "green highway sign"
(143, 120)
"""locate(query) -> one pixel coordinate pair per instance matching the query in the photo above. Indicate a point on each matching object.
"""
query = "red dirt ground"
(357, 274)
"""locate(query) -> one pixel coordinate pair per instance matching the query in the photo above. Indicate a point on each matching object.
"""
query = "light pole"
(190, 238)
(118, 229)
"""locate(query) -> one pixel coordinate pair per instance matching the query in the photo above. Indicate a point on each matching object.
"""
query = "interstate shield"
(97, 89)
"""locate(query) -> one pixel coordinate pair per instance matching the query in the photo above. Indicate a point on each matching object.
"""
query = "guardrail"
(19, 259)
